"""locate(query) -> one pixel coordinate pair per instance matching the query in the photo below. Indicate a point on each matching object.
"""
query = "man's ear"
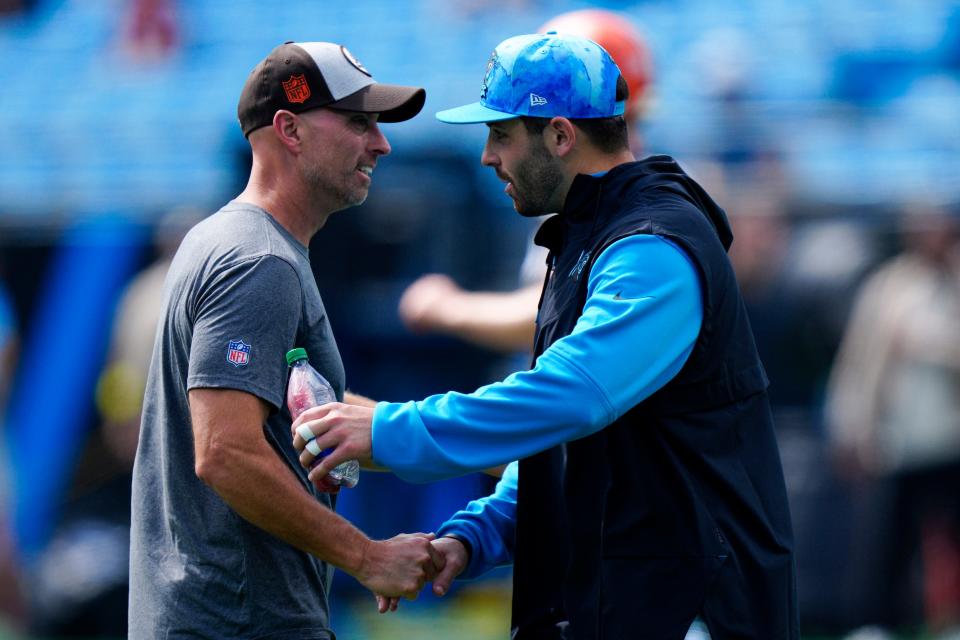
(560, 136)
(286, 126)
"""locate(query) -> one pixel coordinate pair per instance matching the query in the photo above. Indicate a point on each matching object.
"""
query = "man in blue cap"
(649, 499)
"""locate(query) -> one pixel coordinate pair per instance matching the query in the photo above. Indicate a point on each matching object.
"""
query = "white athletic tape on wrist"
(304, 432)
(313, 447)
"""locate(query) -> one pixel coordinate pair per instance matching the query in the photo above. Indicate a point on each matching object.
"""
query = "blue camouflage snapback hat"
(544, 75)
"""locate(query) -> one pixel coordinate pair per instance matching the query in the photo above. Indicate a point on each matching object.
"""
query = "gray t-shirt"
(239, 294)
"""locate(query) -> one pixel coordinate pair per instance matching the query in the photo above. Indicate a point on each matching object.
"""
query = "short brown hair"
(607, 134)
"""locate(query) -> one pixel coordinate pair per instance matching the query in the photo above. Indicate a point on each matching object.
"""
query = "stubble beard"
(339, 194)
(535, 182)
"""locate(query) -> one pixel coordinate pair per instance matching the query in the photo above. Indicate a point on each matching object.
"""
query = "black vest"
(679, 507)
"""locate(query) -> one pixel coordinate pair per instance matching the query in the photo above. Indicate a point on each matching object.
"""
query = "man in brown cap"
(229, 538)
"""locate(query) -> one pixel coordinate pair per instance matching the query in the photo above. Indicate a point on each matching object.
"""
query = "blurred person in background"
(759, 258)
(72, 594)
(504, 320)
(121, 385)
(228, 536)
(151, 29)
(665, 513)
(893, 416)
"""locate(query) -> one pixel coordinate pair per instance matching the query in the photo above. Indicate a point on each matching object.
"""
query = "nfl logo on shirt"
(238, 353)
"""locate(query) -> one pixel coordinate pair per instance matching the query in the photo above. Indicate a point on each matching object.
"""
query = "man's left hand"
(345, 428)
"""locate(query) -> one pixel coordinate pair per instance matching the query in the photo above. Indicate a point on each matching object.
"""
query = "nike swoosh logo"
(618, 297)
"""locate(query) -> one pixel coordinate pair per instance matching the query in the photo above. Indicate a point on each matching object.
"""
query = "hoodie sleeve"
(488, 525)
(639, 324)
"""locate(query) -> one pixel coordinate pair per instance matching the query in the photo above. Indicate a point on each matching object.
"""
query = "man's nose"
(378, 142)
(488, 158)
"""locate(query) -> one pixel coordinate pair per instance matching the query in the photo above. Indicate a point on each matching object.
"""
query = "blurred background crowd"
(828, 130)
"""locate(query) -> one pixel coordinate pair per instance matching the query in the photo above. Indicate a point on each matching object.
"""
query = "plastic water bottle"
(307, 388)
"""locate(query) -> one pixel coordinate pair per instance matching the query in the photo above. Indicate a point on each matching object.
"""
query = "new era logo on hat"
(544, 75)
(298, 76)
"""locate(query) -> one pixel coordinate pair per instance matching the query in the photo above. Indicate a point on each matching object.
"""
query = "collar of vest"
(580, 204)
(584, 190)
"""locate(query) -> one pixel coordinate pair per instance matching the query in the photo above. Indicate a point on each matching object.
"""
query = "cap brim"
(394, 103)
(473, 114)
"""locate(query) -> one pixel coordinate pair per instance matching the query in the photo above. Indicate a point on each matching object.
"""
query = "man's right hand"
(455, 560)
(400, 566)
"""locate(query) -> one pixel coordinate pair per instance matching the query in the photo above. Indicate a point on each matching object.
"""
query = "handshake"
(394, 568)
(402, 565)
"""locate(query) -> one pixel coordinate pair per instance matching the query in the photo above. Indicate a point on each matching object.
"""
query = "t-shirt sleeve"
(245, 321)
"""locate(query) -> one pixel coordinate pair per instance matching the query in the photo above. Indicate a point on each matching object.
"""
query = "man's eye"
(361, 123)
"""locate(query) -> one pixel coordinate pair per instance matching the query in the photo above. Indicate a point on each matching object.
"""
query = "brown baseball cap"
(298, 76)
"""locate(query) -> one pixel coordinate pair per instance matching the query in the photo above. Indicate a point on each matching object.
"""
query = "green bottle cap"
(296, 354)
